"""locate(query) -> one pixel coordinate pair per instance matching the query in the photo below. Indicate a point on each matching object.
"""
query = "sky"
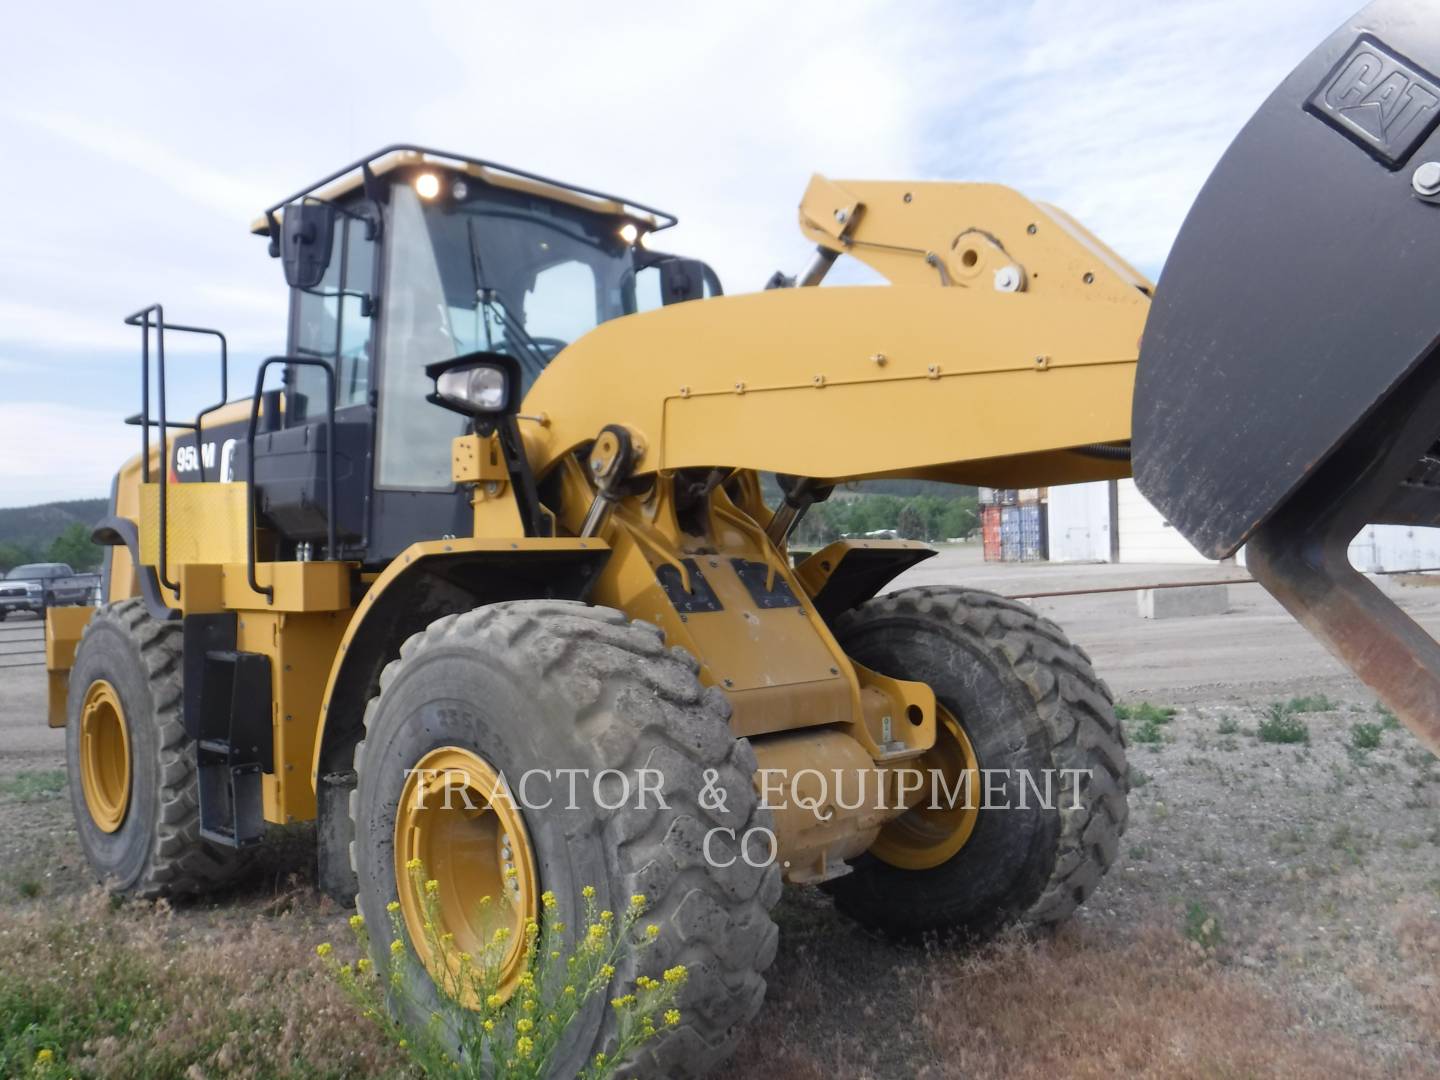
(139, 140)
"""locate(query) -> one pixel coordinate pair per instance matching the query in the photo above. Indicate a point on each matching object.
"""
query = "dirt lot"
(1275, 911)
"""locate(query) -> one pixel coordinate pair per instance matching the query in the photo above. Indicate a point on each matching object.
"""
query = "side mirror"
(306, 235)
(681, 280)
(483, 385)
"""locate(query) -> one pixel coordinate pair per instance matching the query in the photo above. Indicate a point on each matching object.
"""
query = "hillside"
(51, 532)
(38, 526)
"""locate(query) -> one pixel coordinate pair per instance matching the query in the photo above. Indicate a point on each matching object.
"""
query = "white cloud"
(52, 451)
(163, 163)
(135, 181)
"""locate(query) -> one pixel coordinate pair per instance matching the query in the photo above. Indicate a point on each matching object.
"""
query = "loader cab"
(410, 258)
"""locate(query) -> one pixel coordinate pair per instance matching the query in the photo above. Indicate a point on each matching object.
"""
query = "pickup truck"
(36, 586)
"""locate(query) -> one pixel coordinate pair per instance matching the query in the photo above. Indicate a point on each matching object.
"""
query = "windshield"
(35, 570)
(496, 270)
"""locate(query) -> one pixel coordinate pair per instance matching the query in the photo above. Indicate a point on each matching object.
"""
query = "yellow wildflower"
(569, 991)
(432, 887)
(652, 931)
(397, 947)
(524, 1024)
(45, 1056)
(393, 906)
(322, 950)
(494, 1001)
(607, 971)
(511, 872)
(676, 974)
(607, 917)
(637, 902)
(356, 922)
(548, 899)
(466, 958)
(489, 1025)
(588, 892)
(524, 1045)
(413, 864)
(363, 964)
(672, 1016)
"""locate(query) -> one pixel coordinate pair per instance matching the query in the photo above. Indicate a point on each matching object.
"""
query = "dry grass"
(1409, 981)
(1083, 1004)
(139, 992)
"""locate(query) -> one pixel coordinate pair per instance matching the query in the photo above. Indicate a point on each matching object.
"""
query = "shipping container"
(1032, 533)
(1026, 496)
(1010, 534)
(990, 532)
(986, 496)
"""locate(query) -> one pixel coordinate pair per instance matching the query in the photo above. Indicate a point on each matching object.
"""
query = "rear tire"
(156, 850)
(1028, 700)
(552, 685)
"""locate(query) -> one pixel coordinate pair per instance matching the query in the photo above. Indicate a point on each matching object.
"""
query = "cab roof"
(369, 170)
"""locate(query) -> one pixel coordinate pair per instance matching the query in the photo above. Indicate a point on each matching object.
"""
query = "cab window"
(328, 322)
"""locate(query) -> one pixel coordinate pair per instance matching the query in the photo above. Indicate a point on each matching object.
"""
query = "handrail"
(331, 549)
(141, 319)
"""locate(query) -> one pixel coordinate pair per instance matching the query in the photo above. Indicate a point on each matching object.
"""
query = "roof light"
(459, 190)
(629, 233)
(427, 185)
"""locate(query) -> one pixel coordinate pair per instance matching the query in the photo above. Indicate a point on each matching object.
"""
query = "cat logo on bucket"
(1382, 102)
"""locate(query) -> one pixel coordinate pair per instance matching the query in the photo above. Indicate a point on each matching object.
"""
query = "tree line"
(72, 546)
(919, 517)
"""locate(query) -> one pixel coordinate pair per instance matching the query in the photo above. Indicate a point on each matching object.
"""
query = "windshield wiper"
(495, 305)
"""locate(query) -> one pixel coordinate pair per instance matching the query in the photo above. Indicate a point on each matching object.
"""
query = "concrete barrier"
(1179, 603)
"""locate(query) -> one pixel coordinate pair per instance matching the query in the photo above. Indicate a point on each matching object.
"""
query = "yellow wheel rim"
(104, 756)
(927, 835)
(469, 838)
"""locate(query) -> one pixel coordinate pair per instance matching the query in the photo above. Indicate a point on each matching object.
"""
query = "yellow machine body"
(1004, 346)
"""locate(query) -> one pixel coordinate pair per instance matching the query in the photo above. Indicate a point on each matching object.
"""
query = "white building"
(1113, 522)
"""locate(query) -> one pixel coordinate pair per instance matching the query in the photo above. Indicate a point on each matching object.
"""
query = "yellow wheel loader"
(489, 580)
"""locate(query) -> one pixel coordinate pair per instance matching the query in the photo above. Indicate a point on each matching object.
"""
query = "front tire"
(1029, 702)
(551, 686)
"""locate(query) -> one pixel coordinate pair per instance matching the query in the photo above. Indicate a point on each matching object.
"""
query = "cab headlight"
(484, 385)
(480, 389)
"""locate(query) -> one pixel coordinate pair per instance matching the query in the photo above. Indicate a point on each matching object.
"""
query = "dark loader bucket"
(1288, 391)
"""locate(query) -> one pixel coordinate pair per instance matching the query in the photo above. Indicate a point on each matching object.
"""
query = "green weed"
(1311, 703)
(1281, 725)
(1365, 736)
(34, 784)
